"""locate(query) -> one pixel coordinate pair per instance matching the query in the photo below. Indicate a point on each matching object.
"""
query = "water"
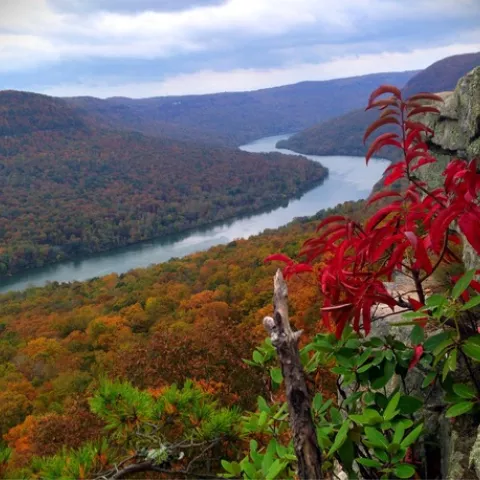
(349, 179)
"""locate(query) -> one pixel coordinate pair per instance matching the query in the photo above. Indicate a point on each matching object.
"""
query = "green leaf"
(391, 411)
(472, 349)
(347, 453)
(227, 466)
(417, 335)
(368, 462)
(325, 406)
(450, 364)
(268, 457)
(336, 416)
(363, 357)
(442, 346)
(388, 371)
(365, 367)
(406, 422)
(375, 437)
(432, 342)
(339, 438)
(262, 404)
(262, 419)
(428, 379)
(276, 374)
(257, 357)
(275, 469)
(369, 397)
(412, 436)
(352, 399)
(399, 431)
(250, 470)
(376, 342)
(381, 454)
(353, 343)
(459, 409)
(464, 391)
(415, 315)
(463, 283)
(393, 448)
(368, 417)
(472, 303)
(317, 401)
(435, 300)
(404, 470)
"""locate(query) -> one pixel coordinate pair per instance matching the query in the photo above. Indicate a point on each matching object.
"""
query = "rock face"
(457, 128)
(451, 450)
(456, 135)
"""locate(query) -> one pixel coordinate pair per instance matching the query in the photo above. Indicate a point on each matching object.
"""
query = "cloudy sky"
(141, 48)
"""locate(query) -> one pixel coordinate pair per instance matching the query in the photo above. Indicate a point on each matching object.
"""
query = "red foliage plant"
(412, 234)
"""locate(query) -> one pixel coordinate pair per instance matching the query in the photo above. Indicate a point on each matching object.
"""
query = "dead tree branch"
(299, 404)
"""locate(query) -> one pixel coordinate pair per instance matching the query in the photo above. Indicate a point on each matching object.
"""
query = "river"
(349, 179)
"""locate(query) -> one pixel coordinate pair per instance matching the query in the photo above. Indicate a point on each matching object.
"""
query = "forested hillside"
(343, 135)
(195, 317)
(69, 188)
(238, 118)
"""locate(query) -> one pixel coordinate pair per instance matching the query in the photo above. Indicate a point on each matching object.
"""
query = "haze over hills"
(237, 118)
(343, 135)
(68, 187)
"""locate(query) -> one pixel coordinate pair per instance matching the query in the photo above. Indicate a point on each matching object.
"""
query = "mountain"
(343, 135)
(68, 187)
(443, 75)
(237, 118)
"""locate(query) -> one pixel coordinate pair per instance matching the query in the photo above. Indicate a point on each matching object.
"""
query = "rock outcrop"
(456, 135)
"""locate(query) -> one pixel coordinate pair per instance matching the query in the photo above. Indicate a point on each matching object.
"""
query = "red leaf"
(440, 224)
(425, 109)
(469, 225)
(395, 175)
(383, 103)
(367, 316)
(334, 308)
(341, 322)
(379, 123)
(417, 354)
(382, 141)
(331, 219)
(379, 196)
(412, 238)
(422, 260)
(382, 90)
(381, 214)
(425, 96)
(422, 162)
(420, 127)
(280, 257)
(384, 245)
(415, 303)
(301, 268)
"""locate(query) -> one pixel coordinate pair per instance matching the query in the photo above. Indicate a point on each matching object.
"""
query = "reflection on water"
(348, 179)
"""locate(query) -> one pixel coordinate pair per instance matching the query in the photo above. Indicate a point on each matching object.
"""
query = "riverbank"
(348, 179)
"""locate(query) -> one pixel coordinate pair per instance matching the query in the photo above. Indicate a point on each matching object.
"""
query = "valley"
(348, 180)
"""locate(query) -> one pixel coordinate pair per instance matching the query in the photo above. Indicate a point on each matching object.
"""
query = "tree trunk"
(299, 404)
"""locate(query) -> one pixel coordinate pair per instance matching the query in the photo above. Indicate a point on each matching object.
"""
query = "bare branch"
(299, 404)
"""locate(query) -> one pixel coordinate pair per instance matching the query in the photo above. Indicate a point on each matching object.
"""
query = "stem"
(470, 370)
(418, 286)
(439, 260)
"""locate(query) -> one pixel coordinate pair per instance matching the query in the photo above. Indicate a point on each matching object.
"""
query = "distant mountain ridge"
(236, 118)
(343, 135)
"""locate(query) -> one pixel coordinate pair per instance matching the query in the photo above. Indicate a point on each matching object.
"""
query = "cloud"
(225, 43)
(209, 81)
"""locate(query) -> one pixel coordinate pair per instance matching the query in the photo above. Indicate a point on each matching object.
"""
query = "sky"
(144, 48)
